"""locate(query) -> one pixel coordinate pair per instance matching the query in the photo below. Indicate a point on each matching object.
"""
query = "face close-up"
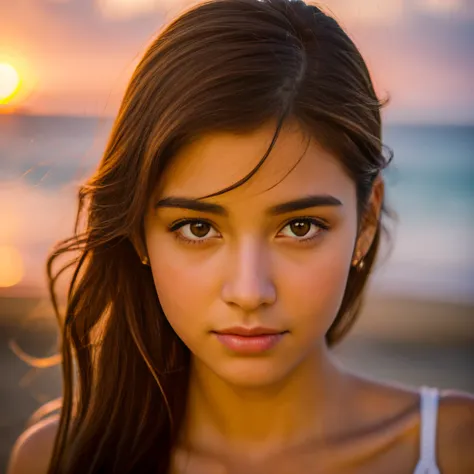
(250, 261)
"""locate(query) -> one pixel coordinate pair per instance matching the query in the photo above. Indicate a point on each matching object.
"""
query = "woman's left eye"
(304, 229)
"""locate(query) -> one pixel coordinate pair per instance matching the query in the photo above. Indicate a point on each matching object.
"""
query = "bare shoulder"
(456, 432)
(32, 451)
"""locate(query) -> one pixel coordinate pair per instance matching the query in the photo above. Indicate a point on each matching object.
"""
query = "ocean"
(430, 184)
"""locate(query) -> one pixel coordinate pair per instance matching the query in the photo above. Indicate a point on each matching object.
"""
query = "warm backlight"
(9, 82)
(11, 266)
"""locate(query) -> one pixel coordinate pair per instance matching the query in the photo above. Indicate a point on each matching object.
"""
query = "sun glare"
(11, 269)
(9, 82)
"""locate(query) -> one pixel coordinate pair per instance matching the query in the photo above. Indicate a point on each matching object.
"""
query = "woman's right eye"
(193, 231)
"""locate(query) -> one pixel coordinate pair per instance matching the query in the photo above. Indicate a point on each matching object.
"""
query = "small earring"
(145, 261)
(358, 262)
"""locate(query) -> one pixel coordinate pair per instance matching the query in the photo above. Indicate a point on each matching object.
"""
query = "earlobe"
(140, 248)
(358, 261)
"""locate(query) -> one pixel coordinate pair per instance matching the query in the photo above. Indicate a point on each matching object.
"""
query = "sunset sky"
(74, 57)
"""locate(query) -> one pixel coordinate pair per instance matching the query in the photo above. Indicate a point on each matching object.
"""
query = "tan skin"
(292, 408)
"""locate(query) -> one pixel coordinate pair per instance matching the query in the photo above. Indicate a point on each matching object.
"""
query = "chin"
(252, 372)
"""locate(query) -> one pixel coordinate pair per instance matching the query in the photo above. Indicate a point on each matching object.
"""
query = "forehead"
(217, 160)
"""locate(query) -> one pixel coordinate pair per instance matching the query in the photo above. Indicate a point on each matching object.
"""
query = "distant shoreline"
(386, 123)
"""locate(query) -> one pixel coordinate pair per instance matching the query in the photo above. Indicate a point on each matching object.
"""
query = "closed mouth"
(249, 332)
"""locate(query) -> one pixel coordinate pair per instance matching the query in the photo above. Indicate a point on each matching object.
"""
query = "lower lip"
(250, 344)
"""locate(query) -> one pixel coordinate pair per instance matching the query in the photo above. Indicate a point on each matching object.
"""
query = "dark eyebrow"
(305, 203)
(291, 206)
(192, 204)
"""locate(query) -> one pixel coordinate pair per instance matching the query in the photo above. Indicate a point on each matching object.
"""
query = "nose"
(248, 284)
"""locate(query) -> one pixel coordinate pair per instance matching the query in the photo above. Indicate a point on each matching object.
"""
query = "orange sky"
(75, 56)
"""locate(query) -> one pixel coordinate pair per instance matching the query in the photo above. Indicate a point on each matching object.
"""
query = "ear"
(370, 221)
(139, 245)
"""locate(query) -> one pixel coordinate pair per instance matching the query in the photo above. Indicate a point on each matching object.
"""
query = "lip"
(243, 331)
(249, 340)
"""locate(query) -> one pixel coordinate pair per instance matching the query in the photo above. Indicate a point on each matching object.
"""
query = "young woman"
(230, 230)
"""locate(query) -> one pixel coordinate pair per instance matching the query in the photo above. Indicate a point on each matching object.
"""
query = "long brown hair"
(224, 65)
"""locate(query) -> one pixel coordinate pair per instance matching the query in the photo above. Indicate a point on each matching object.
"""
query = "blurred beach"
(417, 326)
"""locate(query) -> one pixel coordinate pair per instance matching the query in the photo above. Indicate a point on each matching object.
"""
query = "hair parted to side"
(224, 65)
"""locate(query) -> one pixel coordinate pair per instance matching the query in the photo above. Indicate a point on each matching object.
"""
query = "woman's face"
(273, 253)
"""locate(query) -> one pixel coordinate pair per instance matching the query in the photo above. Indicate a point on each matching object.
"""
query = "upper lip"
(243, 331)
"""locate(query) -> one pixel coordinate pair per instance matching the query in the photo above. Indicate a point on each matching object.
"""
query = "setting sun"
(9, 82)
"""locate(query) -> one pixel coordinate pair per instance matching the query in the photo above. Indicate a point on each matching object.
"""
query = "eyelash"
(175, 226)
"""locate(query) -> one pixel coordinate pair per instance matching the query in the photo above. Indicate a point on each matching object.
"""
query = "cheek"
(315, 286)
(184, 289)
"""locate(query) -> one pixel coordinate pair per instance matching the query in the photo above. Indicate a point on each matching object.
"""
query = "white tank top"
(427, 464)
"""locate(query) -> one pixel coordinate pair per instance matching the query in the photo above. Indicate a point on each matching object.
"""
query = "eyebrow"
(283, 208)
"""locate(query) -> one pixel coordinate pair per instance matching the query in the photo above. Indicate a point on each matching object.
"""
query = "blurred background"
(64, 65)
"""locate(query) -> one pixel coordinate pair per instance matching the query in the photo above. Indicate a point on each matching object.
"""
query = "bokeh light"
(441, 6)
(11, 266)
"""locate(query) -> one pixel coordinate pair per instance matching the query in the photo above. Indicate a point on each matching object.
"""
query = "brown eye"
(304, 230)
(199, 229)
(194, 231)
(300, 228)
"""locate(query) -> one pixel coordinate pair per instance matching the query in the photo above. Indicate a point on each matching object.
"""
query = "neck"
(305, 406)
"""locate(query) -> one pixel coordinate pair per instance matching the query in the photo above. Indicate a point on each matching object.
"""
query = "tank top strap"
(429, 399)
